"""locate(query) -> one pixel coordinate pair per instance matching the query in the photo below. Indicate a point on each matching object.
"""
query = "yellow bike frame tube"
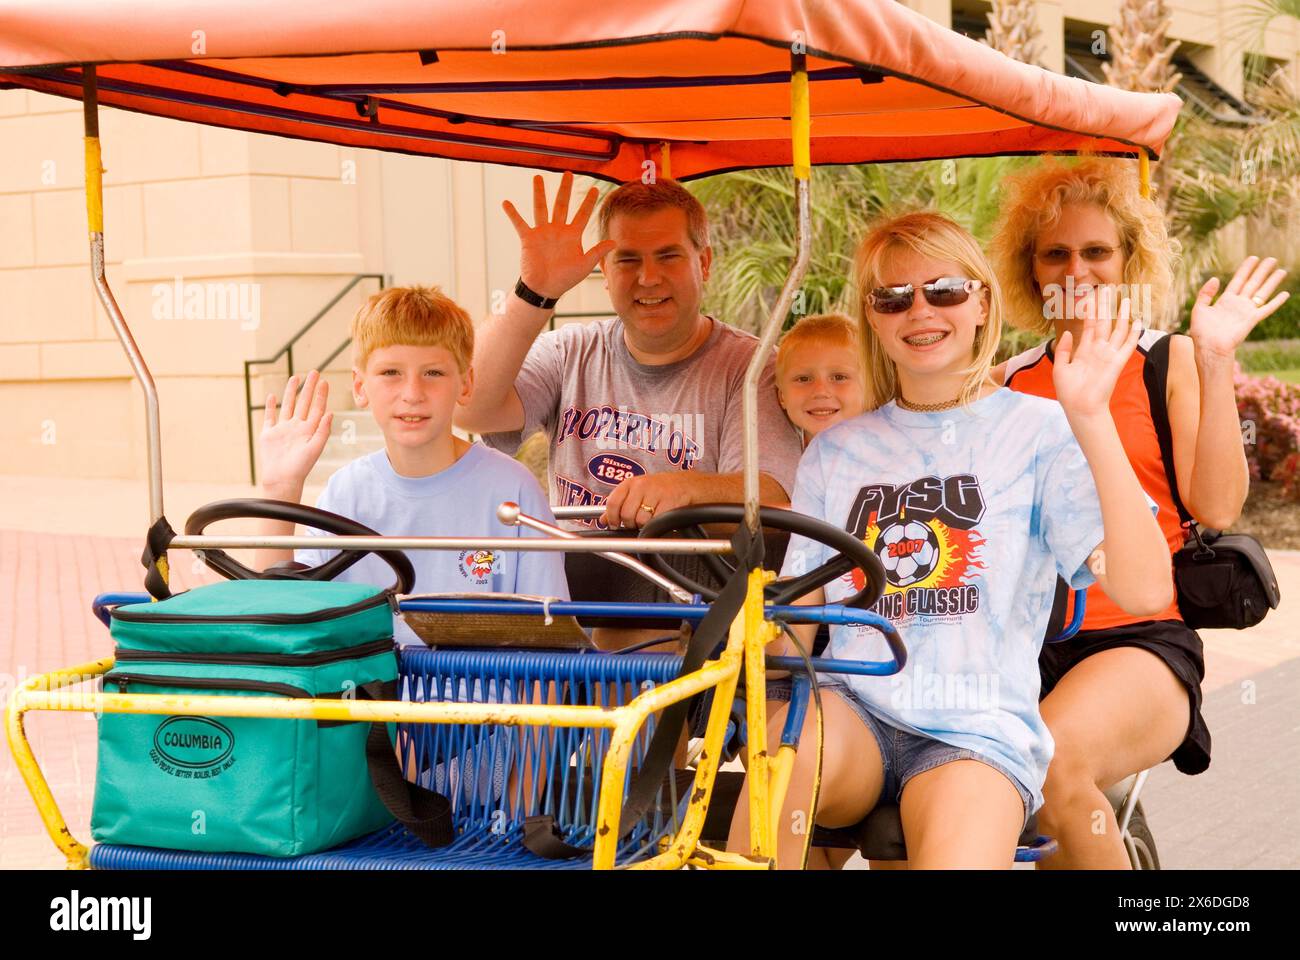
(757, 635)
(75, 852)
(781, 767)
(41, 693)
(684, 845)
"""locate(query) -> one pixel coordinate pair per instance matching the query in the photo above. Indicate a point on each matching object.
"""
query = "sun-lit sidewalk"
(48, 579)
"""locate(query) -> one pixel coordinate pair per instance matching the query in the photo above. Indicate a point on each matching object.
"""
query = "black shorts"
(1173, 642)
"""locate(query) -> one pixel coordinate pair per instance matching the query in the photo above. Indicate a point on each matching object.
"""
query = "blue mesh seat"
(494, 775)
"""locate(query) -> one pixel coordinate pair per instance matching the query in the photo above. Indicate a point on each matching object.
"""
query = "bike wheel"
(1140, 843)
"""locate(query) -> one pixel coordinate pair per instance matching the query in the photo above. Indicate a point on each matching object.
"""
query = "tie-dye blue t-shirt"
(973, 512)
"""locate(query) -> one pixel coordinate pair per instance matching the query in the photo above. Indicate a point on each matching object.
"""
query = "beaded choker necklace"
(926, 407)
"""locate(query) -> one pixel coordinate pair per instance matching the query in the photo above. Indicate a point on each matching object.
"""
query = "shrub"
(1270, 416)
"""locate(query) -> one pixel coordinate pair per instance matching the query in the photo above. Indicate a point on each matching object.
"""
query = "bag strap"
(154, 559)
(425, 813)
(1155, 377)
(541, 835)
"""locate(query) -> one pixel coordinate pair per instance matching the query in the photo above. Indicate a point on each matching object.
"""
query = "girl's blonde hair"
(412, 316)
(835, 329)
(931, 235)
(1032, 202)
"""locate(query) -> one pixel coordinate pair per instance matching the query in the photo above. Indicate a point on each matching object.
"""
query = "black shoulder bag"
(1223, 580)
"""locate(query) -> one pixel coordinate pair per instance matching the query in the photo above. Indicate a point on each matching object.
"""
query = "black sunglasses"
(944, 292)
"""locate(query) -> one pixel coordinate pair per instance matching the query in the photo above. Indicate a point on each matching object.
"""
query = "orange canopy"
(593, 86)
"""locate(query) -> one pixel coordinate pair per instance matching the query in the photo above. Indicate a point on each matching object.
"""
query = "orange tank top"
(1141, 436)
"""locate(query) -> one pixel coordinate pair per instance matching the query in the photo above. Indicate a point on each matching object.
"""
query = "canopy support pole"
(801, 152)
(95, 216)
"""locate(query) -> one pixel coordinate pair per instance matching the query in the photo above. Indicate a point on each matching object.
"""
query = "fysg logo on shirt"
(477, 565)
(924, 534)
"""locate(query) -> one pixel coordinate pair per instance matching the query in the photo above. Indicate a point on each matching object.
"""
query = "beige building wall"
(257, 234)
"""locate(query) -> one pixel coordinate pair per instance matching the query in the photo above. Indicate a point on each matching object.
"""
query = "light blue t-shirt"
(973, 512)
(460, 501)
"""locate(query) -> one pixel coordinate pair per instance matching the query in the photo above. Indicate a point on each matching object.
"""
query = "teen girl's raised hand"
(1085, 373)
(1220, 327)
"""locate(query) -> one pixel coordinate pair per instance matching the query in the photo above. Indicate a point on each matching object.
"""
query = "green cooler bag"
(243, 784)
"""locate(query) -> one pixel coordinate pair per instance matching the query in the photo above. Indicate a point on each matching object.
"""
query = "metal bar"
(758, 633)
(320, 314)
(365, 95)
(1130, 801)
(320, 120)
(510, 514)
(95, 216)
(332, 542)
(578, 513)
(248, 402)
(584, 84)
(800, 122)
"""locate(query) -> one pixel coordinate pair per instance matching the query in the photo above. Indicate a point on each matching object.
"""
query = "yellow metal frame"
(749, 634)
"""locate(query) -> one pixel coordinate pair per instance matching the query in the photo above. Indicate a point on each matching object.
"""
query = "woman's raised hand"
(1085, 373)
(293, 435)
(551, 258)
(1221, 326)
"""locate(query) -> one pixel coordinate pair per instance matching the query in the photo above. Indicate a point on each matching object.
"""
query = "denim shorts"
(905, 754)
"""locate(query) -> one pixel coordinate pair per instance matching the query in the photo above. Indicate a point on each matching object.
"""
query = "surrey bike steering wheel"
(232, 569)
(852, 552)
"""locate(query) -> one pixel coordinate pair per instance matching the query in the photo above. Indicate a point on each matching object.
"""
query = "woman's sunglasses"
(1059, 256)
(944, 292)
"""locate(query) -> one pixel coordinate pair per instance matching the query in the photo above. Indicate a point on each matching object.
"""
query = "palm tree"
(751, 215)
(1013, 30)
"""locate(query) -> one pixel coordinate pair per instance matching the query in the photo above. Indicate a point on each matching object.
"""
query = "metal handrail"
(287, 351)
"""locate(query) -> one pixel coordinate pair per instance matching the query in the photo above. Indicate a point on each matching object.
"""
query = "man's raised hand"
(293, 435)
(551, 259)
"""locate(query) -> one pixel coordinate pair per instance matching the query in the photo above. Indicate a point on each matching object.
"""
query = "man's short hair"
(638, 198)
(412, 316)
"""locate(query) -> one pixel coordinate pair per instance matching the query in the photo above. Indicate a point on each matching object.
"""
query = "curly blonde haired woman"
(1125, 693)
(975, 498)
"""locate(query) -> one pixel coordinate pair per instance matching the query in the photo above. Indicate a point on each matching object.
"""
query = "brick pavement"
(47, 582)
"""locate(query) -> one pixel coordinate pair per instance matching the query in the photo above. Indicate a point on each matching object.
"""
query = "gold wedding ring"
(1257, 301)
(648, 509)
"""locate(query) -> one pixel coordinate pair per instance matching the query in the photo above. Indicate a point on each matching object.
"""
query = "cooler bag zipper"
(206, 683)
(318, 658)
(316, 616)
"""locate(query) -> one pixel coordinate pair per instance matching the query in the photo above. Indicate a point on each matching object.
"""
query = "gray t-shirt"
(610, 417)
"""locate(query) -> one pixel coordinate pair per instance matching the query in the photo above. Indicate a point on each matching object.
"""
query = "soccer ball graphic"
(909, 551)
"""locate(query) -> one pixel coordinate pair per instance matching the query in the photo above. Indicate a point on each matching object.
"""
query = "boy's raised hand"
(1085, 373)
(551, 258)
(293, 435)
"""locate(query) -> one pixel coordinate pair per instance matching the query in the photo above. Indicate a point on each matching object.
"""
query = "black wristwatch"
(529, 295)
